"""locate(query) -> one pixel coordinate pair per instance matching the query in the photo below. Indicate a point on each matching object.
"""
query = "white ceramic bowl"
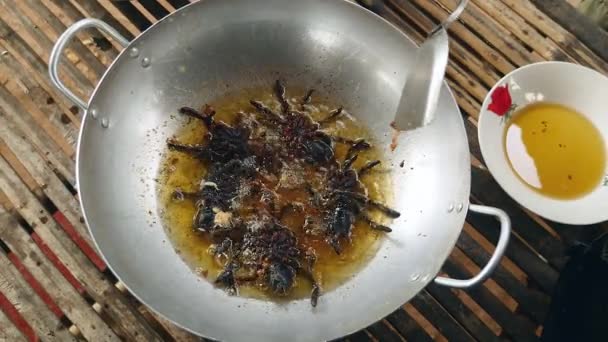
(575, 86)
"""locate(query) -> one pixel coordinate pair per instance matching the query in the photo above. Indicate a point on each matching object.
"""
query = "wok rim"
(87, 117)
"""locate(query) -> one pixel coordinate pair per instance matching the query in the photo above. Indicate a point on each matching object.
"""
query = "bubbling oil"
(555, 150)
(179, 170)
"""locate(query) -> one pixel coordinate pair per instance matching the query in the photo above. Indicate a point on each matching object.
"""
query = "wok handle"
(64, 39)
(501, 246)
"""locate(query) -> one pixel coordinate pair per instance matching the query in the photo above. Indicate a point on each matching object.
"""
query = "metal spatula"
(421, 91)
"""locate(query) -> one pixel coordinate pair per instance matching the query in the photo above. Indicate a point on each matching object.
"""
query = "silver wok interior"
(213, 47)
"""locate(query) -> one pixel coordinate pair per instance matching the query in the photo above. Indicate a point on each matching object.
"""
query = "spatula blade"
(421, 91)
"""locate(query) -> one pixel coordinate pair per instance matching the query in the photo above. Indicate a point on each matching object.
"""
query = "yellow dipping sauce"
(555, 150)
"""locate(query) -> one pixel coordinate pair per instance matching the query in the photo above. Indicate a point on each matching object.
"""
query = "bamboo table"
(55, 287)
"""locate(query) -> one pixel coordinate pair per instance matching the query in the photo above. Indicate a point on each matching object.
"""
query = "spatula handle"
(447, 22)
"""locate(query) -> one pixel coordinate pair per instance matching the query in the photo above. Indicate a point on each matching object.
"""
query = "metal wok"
(215, 46)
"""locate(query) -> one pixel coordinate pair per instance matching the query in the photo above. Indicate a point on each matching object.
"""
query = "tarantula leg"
(251, 275)
(247, 277)
(311, 259)
(228, 279)
(315, 293)
(392, 213)
(315, 198)
(356, 146)
(307, 97)
(227, 276)
(206, 116)
(361, 144)
(375, 225)
(332, 115)
(349, 162)
(180, 195)
(347, 141)
(367, 167)
(279, 89)
(196, 150)
(342, 140)
(263, 109)
(269, 198)
(224, 248)
(334, 242)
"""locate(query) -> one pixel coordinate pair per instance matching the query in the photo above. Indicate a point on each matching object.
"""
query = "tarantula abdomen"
(204, 218)
(214, 200)
(340, 225)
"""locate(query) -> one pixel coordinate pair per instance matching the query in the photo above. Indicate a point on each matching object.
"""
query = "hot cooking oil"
(555, 150)
(183, 171)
